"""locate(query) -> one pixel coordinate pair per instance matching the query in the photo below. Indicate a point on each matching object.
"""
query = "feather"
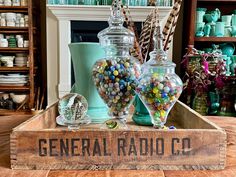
(171, 22)
(146, 37)
(135, 51)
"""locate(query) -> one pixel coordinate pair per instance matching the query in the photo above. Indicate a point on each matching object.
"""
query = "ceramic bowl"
(7, 58)
(21, 55)
(21, 59)
(18, 98)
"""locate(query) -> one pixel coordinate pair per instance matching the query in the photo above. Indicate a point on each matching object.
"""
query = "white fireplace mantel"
(64, 15)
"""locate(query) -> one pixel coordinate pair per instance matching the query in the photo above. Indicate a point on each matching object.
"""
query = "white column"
(64, 57)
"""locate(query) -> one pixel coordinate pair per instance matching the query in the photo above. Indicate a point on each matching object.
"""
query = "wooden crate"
(197, 144)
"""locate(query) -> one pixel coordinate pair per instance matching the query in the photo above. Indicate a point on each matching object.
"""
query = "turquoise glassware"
(84, 55)
(73, 2)
(233, 32)
(214, 102)
(90, 2)
(212, 16)
(207, 30)
(227, 19)
(141, 115)
(106, 2)
(76, 2)
(220, 29)
(233, 65)
(200, 14)
(132, 2)
(227, 49)
(50, 1)
(199, 26)
(143, 2)
(213, 30)
(62, 2)
(234, 20)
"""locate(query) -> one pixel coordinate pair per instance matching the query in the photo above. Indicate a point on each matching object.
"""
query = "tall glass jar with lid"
(116, 75)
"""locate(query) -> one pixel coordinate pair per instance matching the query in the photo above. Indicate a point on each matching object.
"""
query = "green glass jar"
(200, 103)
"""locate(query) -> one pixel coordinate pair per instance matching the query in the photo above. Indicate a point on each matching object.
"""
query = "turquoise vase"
(84, 55)
(141, 115)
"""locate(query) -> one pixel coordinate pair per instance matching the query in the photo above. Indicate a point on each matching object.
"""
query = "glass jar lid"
(158, 56)
(116, 35)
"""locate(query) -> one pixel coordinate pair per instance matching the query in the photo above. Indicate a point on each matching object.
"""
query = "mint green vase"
(84, 55)
(141, 115)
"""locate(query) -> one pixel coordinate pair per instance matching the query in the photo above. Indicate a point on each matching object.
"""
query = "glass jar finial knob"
(116, 19)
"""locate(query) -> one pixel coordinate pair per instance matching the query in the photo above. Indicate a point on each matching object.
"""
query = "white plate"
(13, 81)
(12, 75)
(15, 84)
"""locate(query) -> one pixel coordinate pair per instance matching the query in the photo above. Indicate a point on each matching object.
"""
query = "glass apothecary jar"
(116, 75)
(159, 86)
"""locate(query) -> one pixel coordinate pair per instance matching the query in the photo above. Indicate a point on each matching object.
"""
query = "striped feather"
(135, 51)
(146, 37)
(169, 23)
(172, 29)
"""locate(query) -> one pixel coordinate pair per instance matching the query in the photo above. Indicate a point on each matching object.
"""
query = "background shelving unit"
(226, 7)
(31, 69)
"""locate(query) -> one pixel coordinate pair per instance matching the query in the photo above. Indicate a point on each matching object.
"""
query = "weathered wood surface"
(6, 123)
(229, 124)
(200, 144)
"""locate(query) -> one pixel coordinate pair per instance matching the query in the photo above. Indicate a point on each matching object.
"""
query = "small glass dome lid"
(116, 34)
(158, 57)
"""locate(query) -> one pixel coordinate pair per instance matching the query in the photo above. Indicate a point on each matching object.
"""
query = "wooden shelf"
(14, 88)
(14, 50)
(13, 28)
(14, 7)
(10, 30)
(18, 9)
(215, 39)
(14, 69)
(6, 112)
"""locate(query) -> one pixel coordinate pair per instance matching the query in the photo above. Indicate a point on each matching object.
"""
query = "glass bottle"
(159, 86)
(200, 103)
(227, 107)
(116, 75)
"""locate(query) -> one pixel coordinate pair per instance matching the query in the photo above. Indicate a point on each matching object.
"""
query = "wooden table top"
(9, 122)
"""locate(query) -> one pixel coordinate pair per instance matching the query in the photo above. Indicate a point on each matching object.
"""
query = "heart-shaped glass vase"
(159, 86)
(116, 80)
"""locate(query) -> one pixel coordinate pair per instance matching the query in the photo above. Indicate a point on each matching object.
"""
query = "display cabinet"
(208, 34)
(17, 77)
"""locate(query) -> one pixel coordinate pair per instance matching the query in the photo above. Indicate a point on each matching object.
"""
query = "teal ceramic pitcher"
(84, 55)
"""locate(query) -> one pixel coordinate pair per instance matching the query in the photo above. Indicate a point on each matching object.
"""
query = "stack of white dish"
(13, 80)
(11, 19)
(21, 60)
